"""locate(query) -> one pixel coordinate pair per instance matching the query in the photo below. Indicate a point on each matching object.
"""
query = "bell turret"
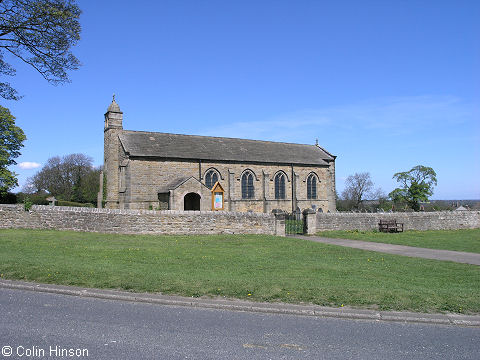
(113, 116)
(112, 131)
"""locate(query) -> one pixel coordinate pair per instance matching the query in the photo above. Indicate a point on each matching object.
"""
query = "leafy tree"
(11, 140)
(416, 185)
(71, 178)
(86, 188)
(357, 188)
(40, 33)
(8, 198)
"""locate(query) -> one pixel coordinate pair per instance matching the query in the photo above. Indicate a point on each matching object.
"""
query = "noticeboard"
(217, 197)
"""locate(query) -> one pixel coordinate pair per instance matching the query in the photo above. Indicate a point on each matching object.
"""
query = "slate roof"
(176, 146)
(174, 184)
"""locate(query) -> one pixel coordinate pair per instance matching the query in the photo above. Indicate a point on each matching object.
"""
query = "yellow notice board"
(217, 197)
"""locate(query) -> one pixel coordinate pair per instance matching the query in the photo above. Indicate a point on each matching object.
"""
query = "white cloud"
(394, 116)
(28, 165)
(280, 128)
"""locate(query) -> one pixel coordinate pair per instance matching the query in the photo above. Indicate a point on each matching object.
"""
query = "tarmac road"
(32, 322)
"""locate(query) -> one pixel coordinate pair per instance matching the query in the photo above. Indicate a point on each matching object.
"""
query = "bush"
(35, 199)
(27, 204)
(74, 204)
(8, 198)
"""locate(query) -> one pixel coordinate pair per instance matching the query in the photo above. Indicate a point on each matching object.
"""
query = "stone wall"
(439, 220)
(137, 221)
(211, 222)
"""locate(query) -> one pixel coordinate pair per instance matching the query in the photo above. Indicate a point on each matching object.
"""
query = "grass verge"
(261, 268)
(457, 240)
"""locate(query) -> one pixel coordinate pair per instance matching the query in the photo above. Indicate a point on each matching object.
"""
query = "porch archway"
(191, 201)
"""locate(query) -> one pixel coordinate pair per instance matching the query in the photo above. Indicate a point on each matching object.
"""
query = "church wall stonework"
(146, 177)
(111, 154)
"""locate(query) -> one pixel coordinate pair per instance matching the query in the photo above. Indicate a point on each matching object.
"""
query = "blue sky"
(383, 85)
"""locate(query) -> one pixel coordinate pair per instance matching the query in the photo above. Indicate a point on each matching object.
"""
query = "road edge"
(248, 306)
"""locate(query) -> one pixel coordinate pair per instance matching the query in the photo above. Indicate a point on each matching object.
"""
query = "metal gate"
(294, 223)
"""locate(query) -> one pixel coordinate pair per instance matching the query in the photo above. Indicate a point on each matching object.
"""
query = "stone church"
(153, 170)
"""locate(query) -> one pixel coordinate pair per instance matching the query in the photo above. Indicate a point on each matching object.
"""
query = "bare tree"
(358, 187)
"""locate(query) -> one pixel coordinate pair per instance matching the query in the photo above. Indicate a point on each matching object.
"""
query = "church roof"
(176, 146)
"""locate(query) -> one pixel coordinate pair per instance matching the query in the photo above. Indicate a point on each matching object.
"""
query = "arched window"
(311, 187)
(211, 177)
(247, 185)
(280, 186)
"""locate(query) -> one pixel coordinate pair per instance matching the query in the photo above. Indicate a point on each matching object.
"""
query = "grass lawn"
(261, 268)
(458, 240)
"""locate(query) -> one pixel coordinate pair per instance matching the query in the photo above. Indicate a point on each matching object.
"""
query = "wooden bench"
(390, 226)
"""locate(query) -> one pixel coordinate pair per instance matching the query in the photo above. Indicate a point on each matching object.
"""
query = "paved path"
(446, 255)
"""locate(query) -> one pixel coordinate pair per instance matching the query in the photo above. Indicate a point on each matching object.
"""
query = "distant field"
(261, 268)
(458, 240)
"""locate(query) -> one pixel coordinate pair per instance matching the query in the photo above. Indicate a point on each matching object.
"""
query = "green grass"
(266, 267)
(458, 240)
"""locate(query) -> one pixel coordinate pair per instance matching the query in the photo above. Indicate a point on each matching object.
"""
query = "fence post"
(310, 221)
(279, 222)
